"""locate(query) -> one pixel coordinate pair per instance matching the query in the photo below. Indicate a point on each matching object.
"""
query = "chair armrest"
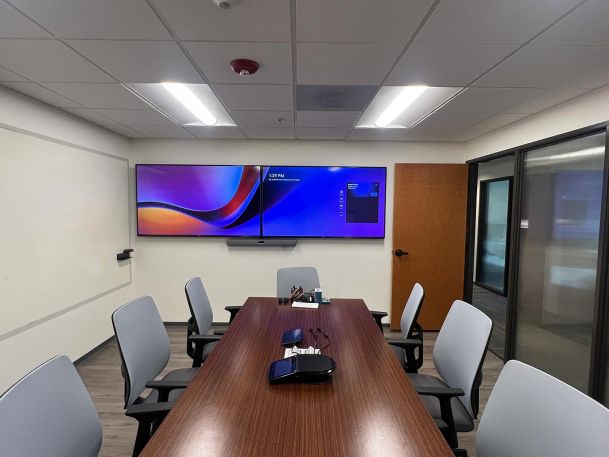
(378, 316)
(460, 453)
(440, 392)
(164, 386)
(404, 344)
(149, 411)
(203, 339)
(200, 341)
(445, 395)
(233, 310)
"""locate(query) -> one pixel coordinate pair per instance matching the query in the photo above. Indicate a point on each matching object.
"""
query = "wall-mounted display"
(260, 201)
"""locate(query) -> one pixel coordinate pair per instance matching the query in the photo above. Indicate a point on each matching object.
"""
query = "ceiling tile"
(445, 65)
(492, 123)
(545, 100)
(164, 131)
(13, 24)
(546, 66)
(90, 115)
(136, 117)
(491, 21)
(275, 61)
(445, 120)
(269, 134)
(345, 64)
(327, 119)
(7, 75)
(42, 94)
(256, 97)
(95, 19)
(48, 61)
(218, 133)
(592, 79)
(93, 95)
(586, 26)
(140, 61)
(359, 21)
(321, 134)
(260, 20)
(400, 135)
(264, 119)
(125, 131)
(488, 99)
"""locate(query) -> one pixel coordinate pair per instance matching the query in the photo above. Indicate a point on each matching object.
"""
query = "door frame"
(599, 357)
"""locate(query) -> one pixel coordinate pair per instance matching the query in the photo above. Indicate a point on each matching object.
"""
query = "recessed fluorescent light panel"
(191, 105)
(400, 107)
(191, 102)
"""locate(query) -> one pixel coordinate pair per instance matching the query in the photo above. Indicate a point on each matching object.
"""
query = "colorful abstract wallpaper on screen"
(333, 202)
(198, 200)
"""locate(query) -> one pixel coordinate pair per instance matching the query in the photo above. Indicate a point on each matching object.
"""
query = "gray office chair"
(144, 348)
(198, 344)
(532, 413)
(458, 356)
(296, 276)
(49, 413)
(409, 349)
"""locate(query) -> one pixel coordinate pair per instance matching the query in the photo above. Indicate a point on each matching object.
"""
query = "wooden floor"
(101, 374)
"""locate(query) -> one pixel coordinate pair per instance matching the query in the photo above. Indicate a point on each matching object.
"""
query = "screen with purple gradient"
(198, 200)
(333, 202)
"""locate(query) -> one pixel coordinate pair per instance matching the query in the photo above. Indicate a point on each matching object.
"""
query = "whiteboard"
(64, 215)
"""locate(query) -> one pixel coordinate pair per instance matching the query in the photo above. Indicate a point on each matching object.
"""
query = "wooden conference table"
(368, 409)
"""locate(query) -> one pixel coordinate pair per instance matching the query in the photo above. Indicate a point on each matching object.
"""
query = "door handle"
(399, 253)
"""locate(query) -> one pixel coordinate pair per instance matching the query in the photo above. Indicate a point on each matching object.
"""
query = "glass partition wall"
(559, 239)
(539, 266)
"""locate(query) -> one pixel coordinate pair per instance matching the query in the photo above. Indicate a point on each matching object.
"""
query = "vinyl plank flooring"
(102, 376)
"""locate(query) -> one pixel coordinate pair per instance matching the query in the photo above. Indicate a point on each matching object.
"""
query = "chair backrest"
(530, 412)
(49, 413)
(460, 350)
(200, 307)
(296, 276)
(411, 310)
(143, 344)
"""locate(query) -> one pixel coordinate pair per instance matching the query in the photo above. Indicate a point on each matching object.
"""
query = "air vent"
(334, 98)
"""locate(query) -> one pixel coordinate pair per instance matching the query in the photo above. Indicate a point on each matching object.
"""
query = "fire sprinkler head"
(244, 67)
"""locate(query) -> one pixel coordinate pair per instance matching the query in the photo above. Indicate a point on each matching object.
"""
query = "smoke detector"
(226, 4)
(244, 67)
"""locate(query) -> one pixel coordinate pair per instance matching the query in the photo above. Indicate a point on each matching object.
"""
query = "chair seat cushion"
(400, 353)
(463, 421)
(181, 374)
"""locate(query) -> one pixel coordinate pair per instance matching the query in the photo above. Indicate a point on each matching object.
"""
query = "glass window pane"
(494, 229)
(559, 235)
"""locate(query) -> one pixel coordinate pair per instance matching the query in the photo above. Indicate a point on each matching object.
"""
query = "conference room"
(304, 228)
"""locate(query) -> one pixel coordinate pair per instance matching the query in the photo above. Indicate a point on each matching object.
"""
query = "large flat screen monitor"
(198, 200)
(323, 202)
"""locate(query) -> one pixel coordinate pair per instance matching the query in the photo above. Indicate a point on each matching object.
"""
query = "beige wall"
(347, 268)
(57, 287)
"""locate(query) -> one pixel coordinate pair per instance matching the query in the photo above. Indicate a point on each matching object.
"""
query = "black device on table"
(291, 337)
(313, 368)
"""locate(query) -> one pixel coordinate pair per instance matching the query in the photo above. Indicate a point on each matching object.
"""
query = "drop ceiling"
(322, 62)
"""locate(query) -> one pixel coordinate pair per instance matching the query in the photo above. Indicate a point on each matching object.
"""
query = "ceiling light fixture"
(190, 101)
(405, 98)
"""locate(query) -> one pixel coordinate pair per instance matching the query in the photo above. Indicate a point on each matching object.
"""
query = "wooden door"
(429, 227)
